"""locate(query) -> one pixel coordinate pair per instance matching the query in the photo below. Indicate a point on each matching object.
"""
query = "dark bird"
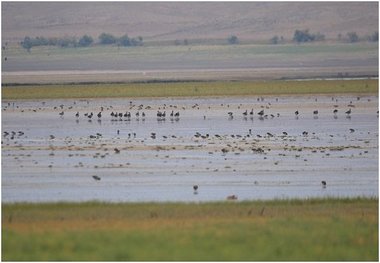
(352, 130)
(99, 114)
(348, 112)
(195, 187)
(97, 178)
(62, 113)
(335, 111)
(315, 112)
(251, 112)
(116, 150)
(224, 150)
(261, 113)
(77, 115)
(296, 113)
(324, 184)
(232, 197)
(245, 113)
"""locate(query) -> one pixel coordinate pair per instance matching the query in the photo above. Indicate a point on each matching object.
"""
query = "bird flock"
(161, 115)
(225, 143)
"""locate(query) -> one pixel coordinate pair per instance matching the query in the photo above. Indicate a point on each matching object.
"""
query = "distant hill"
(159, 21)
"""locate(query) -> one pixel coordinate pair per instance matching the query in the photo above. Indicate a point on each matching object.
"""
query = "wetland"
(252, 147)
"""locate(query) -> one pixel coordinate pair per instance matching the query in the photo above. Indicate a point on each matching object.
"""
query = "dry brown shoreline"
(125, 76)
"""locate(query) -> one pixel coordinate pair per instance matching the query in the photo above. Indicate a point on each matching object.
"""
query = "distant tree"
(124, 41)
(374, 37)
(85, 41)
(274, 40)
(27, 43)
(233, 40)
(53, 41)
(67, 42)
(106, 39)
(352, 37)
(301, 36)
(41, 41)
(127, 41)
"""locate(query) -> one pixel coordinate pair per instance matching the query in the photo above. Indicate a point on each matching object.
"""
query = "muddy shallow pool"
(50, 154)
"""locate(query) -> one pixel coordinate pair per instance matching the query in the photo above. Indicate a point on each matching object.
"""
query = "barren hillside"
(156, 21)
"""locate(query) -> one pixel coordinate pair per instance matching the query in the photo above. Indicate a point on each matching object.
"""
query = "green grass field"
(316, 229)
(196, 89)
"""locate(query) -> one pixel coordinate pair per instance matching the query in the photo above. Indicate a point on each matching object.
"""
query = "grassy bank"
(327, 229)
(181, 89)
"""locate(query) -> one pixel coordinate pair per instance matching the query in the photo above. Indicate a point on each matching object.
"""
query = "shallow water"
(56, 156)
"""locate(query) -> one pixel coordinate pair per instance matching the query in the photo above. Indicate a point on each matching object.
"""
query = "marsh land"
(52, 155)
(188, 146)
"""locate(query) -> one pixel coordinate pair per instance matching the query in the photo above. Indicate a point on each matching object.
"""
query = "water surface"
(50, 157)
